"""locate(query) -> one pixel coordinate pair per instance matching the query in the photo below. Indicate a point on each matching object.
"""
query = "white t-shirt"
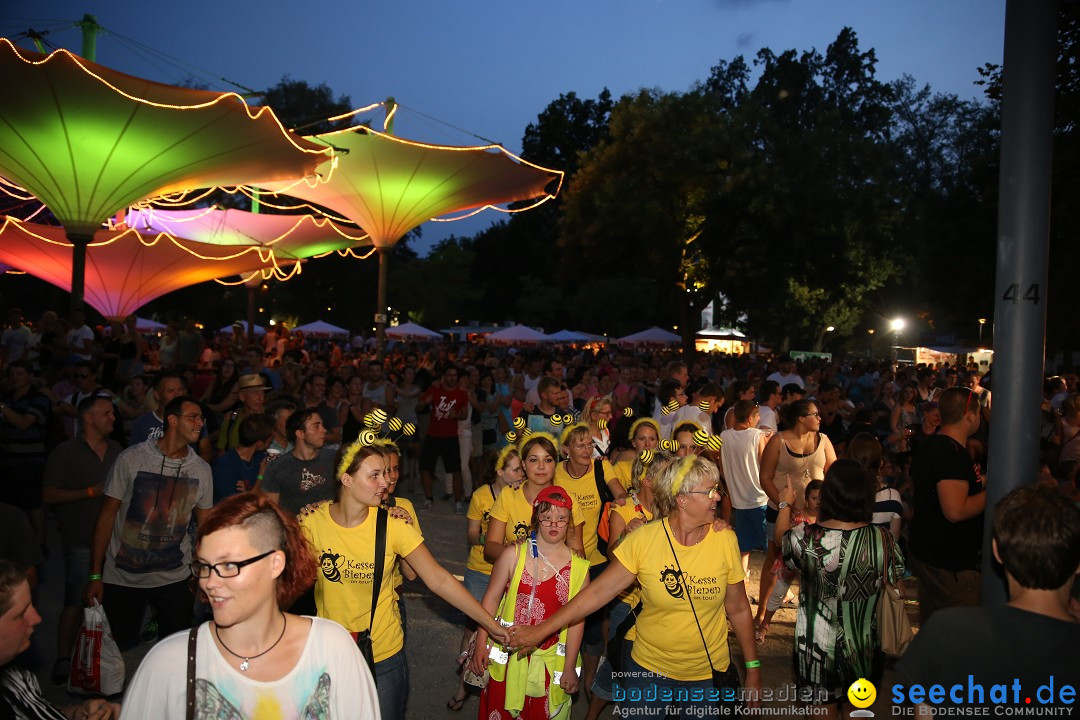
(16, 339)
(767, 417)
(331, 680)
(742, 470)
(75, 339)
(785, 379)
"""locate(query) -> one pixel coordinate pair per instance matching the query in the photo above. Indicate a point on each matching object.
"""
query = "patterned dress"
(551, 594)
(836, 635)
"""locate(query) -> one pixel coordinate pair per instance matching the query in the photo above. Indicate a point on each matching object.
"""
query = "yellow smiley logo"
(862, 693)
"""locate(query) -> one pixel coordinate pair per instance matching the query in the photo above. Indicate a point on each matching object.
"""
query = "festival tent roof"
(517, 335)
(652, 336)
(573, 336)
(227, 330)
(411, 332)
(720, 333)
(125, 269)
(321, 329)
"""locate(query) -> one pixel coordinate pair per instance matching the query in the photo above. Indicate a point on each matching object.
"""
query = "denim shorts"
(476, 583)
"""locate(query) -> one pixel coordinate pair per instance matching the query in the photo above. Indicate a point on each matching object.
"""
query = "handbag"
(97, 667)
(894, 628)
(363, 638)
(726, 682)
(467, 675)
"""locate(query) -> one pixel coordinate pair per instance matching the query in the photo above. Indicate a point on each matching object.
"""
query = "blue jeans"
(601, 686)
(646, 694)
(392, 684)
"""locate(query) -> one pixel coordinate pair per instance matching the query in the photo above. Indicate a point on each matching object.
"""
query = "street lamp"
(982, 321)
(896, 325)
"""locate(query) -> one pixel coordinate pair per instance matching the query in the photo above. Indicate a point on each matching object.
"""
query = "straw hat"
(251, 381)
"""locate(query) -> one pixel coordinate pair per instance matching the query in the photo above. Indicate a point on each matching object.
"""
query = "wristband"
(751, 664)
(90, 491)
(259, 477)
(95, 576)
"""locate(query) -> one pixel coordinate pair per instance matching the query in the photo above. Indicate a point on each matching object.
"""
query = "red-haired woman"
(251, 561)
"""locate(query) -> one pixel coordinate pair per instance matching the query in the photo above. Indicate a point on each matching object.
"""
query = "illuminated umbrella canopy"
(125, 269)
(88, 141)
(300, 236)
(388, 186)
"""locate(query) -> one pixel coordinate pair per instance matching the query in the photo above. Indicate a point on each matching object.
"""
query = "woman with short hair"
(691, 582)
(251, 562)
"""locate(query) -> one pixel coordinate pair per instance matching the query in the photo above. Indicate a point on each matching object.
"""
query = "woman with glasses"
(529, 582)
(598, 413)
(691, 582)
(792, 458)
(253, 658)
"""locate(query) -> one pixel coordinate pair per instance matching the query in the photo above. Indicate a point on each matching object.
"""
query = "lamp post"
(870, 343)
(982, 321)
(896, 325)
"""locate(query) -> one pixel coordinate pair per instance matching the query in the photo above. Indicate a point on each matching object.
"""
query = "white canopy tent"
(321, 329)
(652, 336)
(411, 332)
(518, 335)
(259, 329)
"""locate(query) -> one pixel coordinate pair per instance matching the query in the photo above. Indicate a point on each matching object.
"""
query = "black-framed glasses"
(813, 414)
(558, 523)
(713, 492)
(231, 569)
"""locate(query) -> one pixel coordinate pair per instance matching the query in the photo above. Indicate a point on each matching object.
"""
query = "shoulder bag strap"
(193, 638)
(380, 553)
(602, 490)
(682, 579)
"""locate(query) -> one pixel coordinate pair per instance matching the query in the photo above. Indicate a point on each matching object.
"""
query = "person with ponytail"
(346, 535)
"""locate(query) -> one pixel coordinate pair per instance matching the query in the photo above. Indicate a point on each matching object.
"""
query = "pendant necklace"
(247, 660)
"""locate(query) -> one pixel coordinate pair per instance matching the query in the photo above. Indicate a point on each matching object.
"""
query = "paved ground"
(434, 629)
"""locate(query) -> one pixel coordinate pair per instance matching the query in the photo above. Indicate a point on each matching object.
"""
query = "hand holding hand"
(401, 513)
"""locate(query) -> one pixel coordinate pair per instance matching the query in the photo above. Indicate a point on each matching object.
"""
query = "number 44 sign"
(1012, 294)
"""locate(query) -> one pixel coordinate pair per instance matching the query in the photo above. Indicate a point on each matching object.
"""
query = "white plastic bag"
(97, 667)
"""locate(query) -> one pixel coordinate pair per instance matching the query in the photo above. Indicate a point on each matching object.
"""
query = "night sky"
(489, 67)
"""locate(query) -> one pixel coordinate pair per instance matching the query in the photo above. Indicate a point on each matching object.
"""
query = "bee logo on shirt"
(670, 578)
(521, 531)
(330, 564)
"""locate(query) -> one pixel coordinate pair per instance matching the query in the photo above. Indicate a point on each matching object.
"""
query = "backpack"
(603, 528)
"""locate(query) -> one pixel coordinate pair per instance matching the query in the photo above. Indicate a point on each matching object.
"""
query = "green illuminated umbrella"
(89, 141)
(388, 186)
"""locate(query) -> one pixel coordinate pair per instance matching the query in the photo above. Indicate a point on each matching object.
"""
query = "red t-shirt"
(445, 406)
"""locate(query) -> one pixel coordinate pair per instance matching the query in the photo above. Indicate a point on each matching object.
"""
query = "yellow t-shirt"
(622, 470)
(407, 505)
(628, 512)
(480, 509)
(346, 571)
(583, 491)
(667, 636)
(516, 511)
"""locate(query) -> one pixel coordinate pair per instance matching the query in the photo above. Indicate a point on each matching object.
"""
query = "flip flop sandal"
(760, 633)
(455, 704)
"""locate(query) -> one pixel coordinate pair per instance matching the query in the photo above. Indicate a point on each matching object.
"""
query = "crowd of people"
(613, 502)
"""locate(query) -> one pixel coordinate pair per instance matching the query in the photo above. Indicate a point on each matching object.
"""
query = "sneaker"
(60, 671)
(459, 509)
(427, 503)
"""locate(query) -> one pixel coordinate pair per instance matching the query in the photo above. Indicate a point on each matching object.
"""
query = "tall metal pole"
(90, 29)
(1027, 124)
(380, 309)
